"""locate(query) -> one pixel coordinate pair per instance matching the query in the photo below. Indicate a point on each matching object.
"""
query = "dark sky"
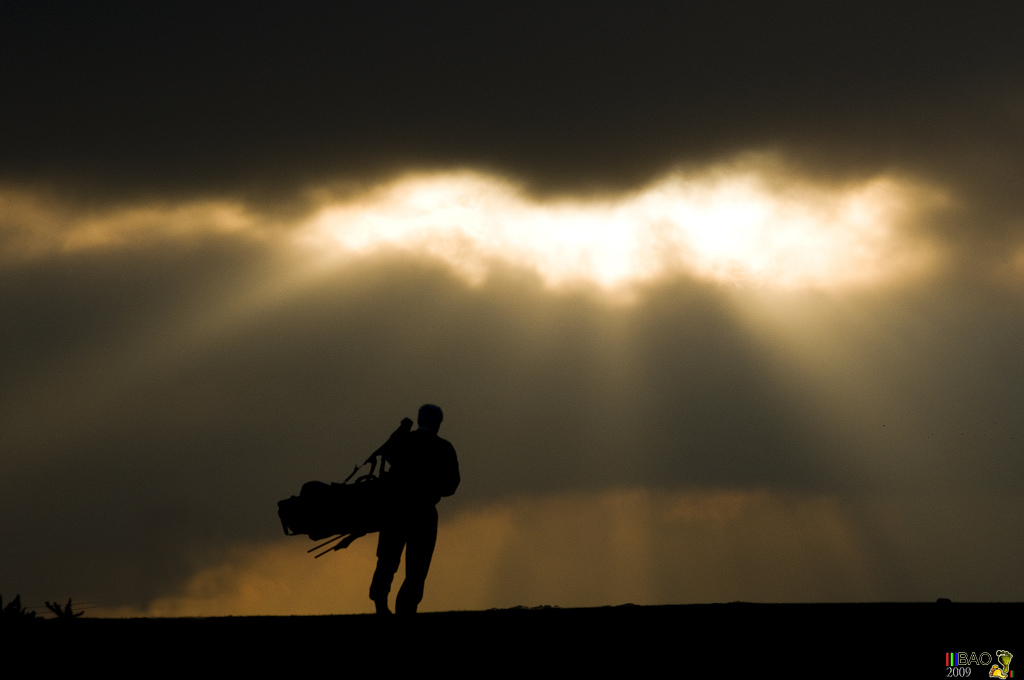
(175, 360)
(219, 97)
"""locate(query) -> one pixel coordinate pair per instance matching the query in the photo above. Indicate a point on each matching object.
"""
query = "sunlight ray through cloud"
(738, 226)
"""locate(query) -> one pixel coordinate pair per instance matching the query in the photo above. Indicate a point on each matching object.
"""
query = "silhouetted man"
(423, 469)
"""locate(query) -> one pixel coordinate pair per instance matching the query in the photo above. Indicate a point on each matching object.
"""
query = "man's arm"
(402, 430)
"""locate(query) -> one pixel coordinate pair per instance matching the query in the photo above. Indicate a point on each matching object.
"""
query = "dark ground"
(742, 639)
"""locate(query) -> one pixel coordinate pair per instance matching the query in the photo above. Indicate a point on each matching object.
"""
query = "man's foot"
(382, 607)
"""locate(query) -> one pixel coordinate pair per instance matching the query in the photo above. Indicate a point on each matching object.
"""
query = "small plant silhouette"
(66, 612)
(14, 610)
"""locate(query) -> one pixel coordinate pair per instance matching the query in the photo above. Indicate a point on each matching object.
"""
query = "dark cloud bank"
(200, 97)
(133, 450)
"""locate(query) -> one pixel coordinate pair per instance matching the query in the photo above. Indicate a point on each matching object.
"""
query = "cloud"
(39, 225)
(267, 102)
(751, 221)
(745, 223)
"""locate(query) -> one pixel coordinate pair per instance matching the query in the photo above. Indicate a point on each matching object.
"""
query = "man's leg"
(419, 551)
(389, 554)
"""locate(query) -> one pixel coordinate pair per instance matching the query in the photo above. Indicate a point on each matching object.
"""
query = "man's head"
(430, 416)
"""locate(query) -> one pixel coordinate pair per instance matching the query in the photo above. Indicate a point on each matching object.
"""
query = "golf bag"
(336, 511)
